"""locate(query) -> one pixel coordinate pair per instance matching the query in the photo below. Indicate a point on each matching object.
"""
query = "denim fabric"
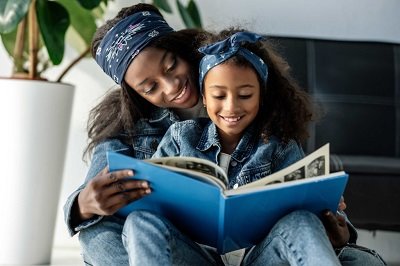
(149, 132)
(101, 243)
(146, 137)
(252, 159)
(148, 239)
(297, 239)
(353, 254)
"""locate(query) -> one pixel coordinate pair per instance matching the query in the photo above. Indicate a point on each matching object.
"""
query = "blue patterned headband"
(221, 51)
(126, 39)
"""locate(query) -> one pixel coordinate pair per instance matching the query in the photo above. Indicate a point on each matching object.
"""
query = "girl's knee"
(143, 221)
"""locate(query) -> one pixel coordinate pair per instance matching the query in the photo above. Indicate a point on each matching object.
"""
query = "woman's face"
(232, 98)
(162, 78)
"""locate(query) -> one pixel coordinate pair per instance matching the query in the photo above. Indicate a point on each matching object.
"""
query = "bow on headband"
(126, 39)
(221, 51)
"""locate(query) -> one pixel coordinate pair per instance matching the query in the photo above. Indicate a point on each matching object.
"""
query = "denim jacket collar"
(158, 114)
(210, 138)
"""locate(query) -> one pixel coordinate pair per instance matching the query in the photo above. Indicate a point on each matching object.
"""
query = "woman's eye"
(150, 89)
(172, 65)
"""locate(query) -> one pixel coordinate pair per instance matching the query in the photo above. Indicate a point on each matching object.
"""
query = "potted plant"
(35, 114)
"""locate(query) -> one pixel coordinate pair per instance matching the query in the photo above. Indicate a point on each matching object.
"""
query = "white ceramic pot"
(35, 118)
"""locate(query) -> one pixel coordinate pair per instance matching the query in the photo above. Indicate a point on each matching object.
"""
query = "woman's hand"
(336, 226)
(107, 192)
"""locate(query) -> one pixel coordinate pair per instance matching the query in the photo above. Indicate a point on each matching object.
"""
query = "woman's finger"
(121, 199)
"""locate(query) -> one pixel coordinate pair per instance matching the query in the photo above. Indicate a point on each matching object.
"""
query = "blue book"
(203, 208)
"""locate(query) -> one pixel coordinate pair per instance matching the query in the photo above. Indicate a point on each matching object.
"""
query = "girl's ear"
(204, 100)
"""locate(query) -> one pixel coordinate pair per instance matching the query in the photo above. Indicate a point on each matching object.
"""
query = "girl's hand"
(342, 204)
(107, 192)
(336, 228)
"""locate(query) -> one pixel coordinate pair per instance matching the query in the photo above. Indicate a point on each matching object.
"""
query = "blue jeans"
(147, 239)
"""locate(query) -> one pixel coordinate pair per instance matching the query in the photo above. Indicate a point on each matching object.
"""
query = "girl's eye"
(172, 65)
(245, 96)
(218, 97)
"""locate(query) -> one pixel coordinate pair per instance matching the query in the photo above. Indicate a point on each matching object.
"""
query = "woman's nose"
(170, 85)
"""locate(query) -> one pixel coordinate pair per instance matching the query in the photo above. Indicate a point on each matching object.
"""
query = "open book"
(192, 194)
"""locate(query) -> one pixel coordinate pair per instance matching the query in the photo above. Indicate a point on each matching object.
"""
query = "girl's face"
(232, 99)
(162, 78)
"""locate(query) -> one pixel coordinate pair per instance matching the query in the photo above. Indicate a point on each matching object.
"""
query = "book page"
(315, 164)
(201, 169)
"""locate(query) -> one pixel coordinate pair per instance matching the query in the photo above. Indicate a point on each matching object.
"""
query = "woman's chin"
(188, 100)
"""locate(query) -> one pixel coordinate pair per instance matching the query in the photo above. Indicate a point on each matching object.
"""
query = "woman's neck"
(189, 113)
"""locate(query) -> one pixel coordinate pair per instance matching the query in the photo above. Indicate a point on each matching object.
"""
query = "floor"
(386, 243)
(66, 256)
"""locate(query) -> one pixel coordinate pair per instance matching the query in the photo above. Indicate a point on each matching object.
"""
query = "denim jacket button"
(233, 163)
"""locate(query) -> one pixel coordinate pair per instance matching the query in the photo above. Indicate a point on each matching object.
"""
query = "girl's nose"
(231, 104)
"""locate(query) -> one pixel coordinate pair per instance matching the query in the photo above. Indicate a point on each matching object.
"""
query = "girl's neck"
(228, 142)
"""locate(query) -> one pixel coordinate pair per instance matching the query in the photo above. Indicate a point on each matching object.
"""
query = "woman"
(165, 74)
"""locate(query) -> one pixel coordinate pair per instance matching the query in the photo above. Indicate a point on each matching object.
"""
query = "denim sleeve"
(169, 145)
(99, 162)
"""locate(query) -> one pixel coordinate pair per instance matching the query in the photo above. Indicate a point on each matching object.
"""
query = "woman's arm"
(103, 193)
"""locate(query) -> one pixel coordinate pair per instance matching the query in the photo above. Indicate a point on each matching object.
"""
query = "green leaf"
(82, 20)
(53, 22)
(8, 40)
(187, 19)
(89, 4)
(163, 5)
(194, 14)
(11, 13)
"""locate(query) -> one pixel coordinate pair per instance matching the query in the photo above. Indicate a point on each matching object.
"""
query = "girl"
(259, 118)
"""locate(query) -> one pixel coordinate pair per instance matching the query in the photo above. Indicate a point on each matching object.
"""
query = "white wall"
(344, 19)
(353, 19)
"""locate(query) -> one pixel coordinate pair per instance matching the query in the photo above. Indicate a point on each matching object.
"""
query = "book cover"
(228, 219)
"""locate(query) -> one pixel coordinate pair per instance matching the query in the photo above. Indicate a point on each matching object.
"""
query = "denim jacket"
(252, 159)
(146, 137)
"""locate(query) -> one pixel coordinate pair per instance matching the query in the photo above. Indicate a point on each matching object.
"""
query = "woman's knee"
(101, 243)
